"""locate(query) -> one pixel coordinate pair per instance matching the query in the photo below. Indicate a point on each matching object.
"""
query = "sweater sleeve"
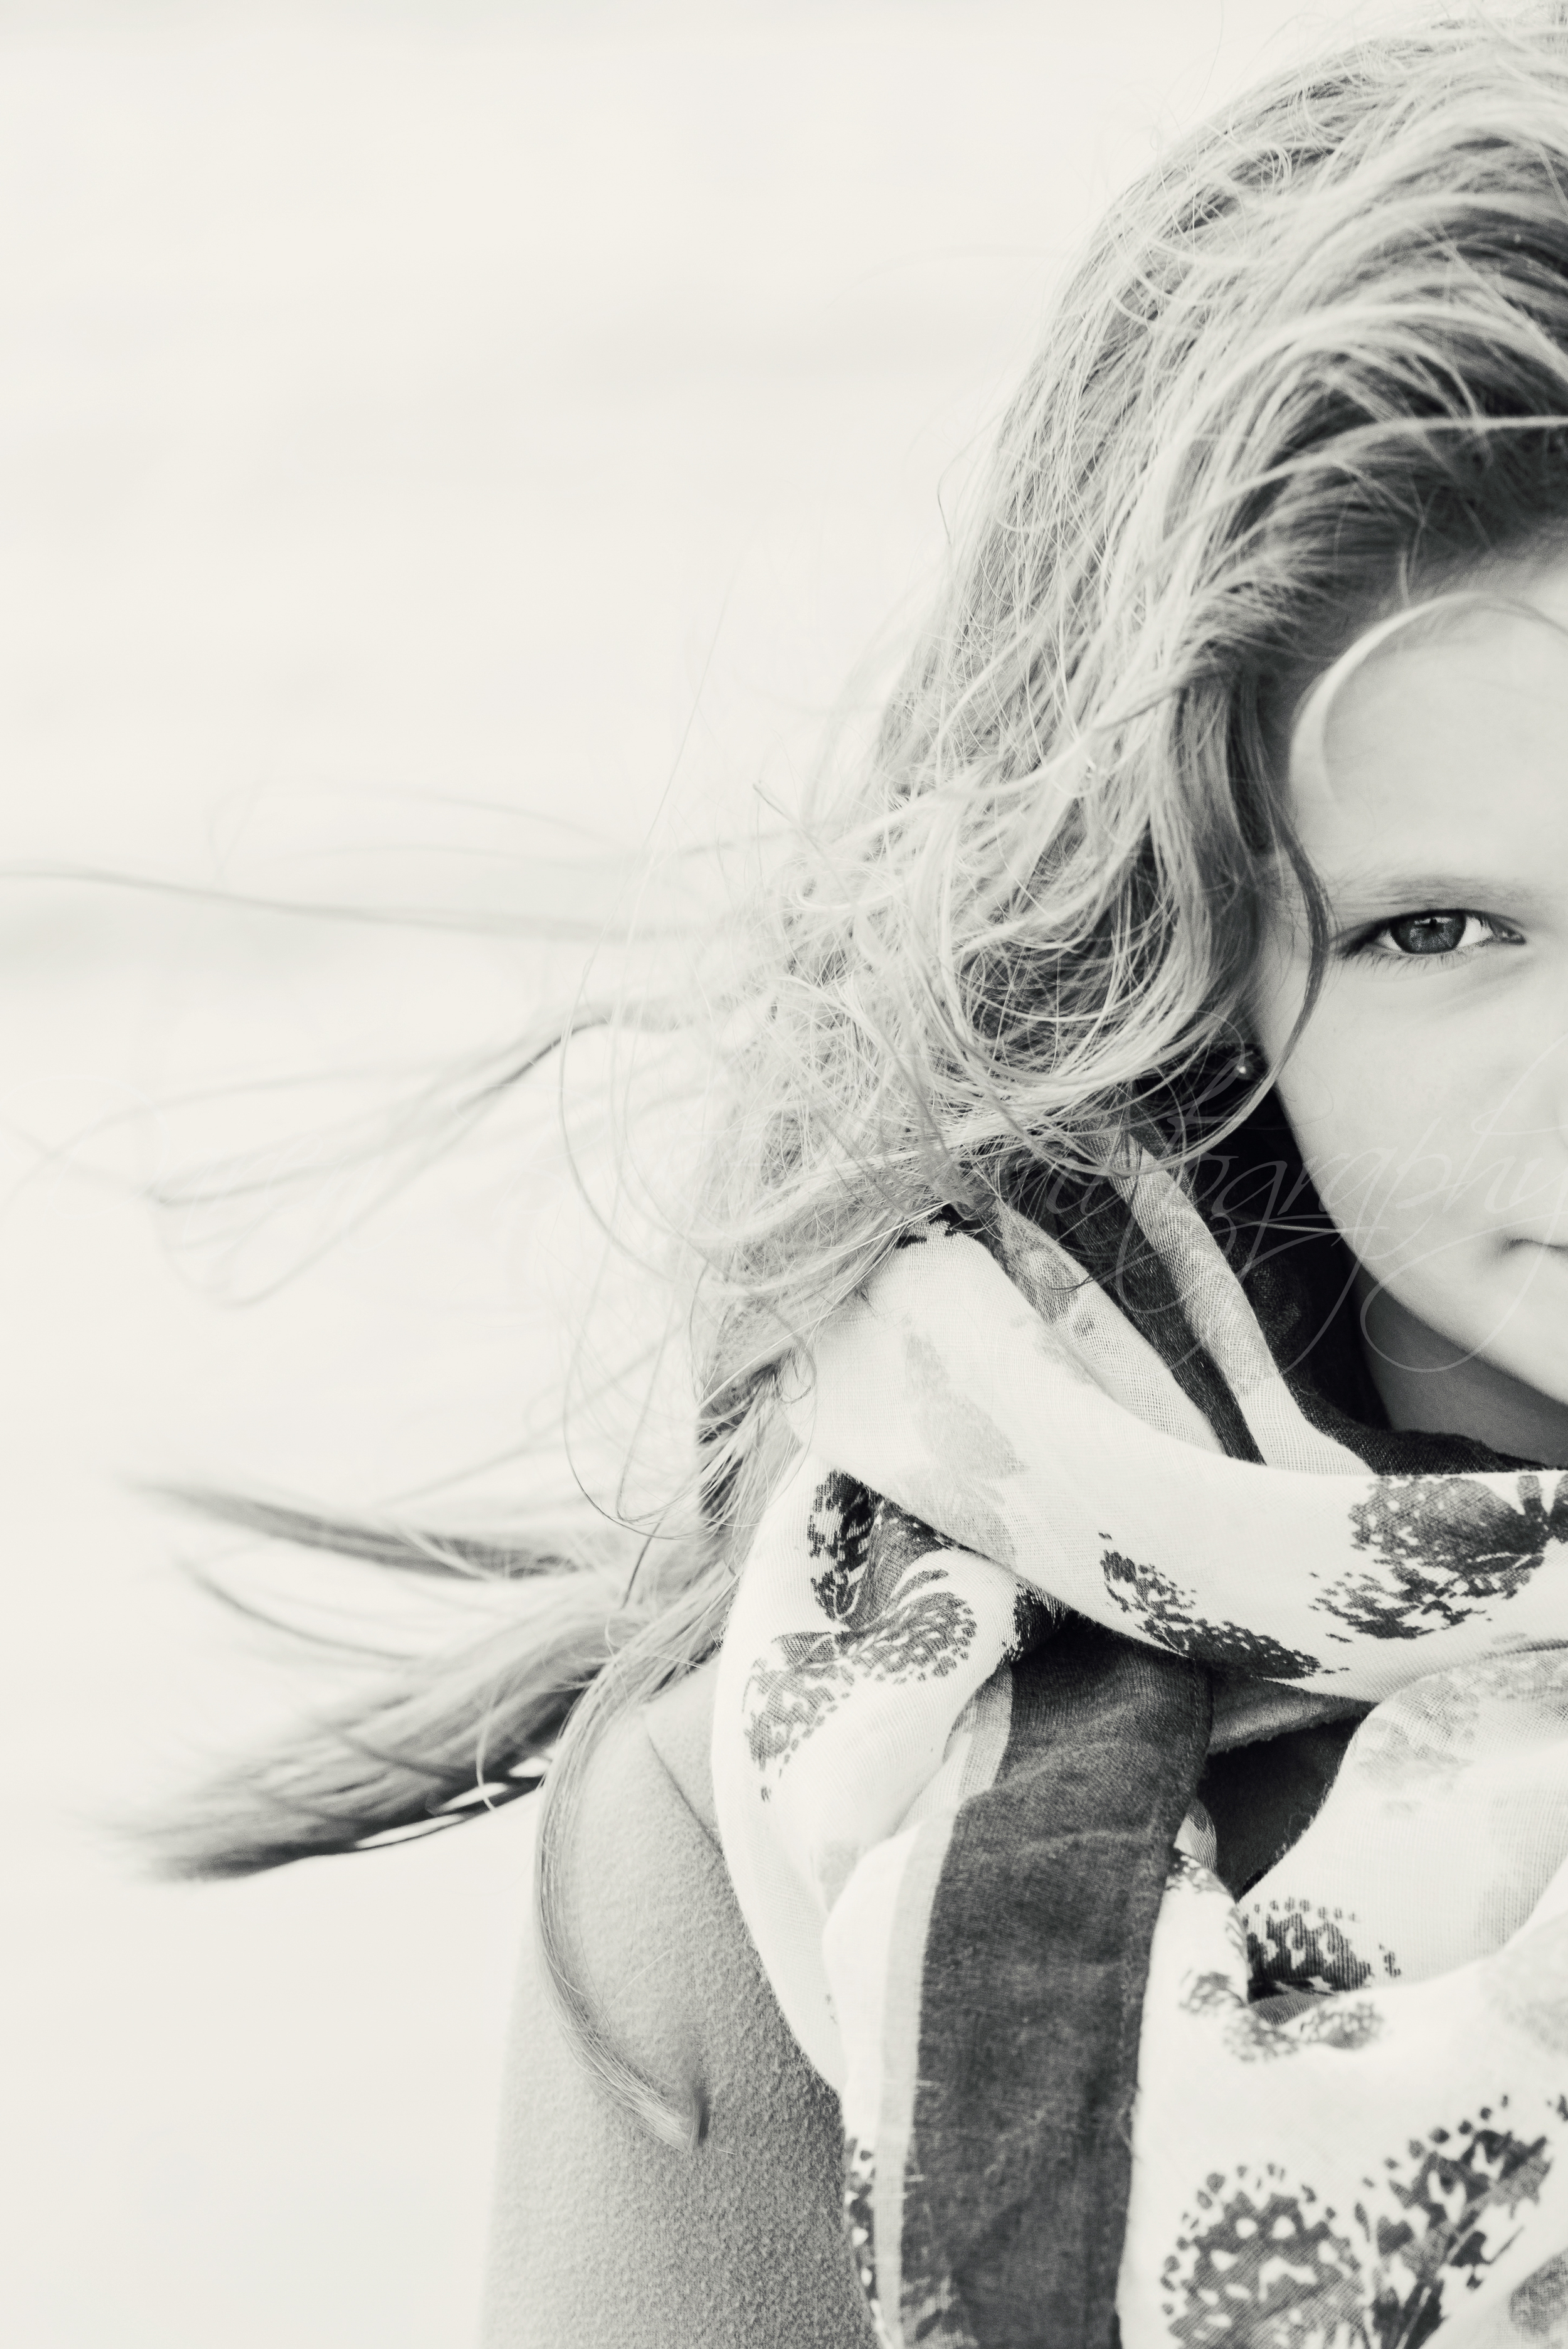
(602, 2237)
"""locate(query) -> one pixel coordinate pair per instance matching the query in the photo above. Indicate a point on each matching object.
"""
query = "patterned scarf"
(1040, 1609)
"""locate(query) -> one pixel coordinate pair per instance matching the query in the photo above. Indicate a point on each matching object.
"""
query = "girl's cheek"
(1433, 1132)
(1432, 1152)
(1376, 1125)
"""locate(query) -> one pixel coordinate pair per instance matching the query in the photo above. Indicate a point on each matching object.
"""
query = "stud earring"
(1247, 1066)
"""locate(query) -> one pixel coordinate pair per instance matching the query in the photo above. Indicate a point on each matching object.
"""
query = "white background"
(419, 423)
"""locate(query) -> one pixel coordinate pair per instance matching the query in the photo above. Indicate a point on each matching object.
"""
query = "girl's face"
(1428, 1091)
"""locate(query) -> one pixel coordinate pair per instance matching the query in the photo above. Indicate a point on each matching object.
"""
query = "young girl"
(1069, 1831)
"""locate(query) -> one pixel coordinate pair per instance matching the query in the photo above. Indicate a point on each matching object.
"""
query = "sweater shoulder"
(601, 2232)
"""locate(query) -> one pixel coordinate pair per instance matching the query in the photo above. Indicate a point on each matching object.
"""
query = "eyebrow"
(1415, 888)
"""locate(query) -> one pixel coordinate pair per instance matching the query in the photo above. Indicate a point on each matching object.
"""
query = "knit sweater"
(604, 2239)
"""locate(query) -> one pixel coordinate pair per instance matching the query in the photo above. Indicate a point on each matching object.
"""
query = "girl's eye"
(1415, 936)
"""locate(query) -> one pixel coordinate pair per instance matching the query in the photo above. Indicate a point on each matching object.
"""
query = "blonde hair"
(1312, 365)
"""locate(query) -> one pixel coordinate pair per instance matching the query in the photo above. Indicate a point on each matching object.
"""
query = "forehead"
(1442, 739)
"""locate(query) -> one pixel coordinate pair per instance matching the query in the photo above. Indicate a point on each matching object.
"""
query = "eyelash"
(1364, 946)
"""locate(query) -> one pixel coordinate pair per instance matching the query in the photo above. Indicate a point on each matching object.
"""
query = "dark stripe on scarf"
(1037, 1954)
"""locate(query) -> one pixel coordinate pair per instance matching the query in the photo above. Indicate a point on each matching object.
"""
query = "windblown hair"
(1312, 367)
